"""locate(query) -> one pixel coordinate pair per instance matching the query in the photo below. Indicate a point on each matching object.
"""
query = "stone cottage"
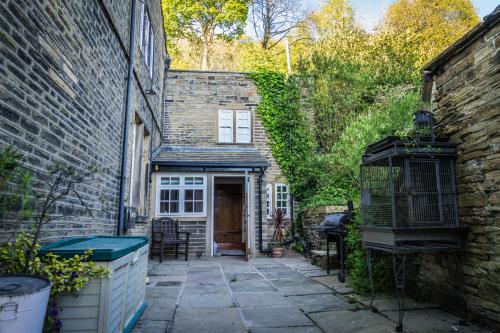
(216, 172)
(463, 85)
(81, 83)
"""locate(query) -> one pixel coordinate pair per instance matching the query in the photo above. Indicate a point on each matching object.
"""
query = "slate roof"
(223, 157)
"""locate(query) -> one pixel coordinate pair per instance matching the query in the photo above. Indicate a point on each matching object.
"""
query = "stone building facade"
(212, 131)
(63, 79)
(466, 104)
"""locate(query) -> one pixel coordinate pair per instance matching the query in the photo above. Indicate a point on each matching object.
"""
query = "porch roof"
(210, 157)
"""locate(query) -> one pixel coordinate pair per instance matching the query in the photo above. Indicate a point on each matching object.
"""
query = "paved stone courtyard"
(264, 295)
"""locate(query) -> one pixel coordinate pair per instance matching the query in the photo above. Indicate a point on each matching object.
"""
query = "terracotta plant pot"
(278, 252)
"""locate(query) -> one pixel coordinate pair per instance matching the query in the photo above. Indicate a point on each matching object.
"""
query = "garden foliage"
(27, 211)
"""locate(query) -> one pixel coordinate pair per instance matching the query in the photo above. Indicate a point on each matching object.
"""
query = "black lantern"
(424, 122)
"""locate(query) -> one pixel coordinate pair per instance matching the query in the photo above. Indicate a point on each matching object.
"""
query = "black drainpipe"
(128, 104)
(261, 174)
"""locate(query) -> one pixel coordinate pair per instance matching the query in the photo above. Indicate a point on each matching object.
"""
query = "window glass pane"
(198, 195)
(188, 206)
(164, 194)
(174, 207)
(188, 180)
(188, 195)
(174, 195)
(198, 207)
(198, 181)
(163, 207)
(170, 181)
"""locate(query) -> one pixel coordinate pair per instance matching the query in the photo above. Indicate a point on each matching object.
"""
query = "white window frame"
(141, 25)
(146, 33)
(151, 52)
(236, 124)
(239, 124)
(181, 187)
(288, 203)
(221, 136)
(269, 200)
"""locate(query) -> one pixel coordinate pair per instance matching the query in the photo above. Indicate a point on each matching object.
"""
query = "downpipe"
(128, 106)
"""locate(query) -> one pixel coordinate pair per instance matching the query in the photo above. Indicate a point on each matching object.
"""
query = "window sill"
(184, 218)
(234, 144)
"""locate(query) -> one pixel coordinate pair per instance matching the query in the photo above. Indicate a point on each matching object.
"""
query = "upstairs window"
(226, 126)
(282, 198)
(141, 26)
(243, 126)
(146, 39)
(234, 126)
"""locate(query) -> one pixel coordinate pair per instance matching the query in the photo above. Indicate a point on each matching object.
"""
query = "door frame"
(228, 175)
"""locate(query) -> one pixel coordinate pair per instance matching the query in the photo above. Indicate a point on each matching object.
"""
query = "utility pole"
(288, 60)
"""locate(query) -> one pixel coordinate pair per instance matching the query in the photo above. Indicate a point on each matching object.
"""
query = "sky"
(370, 12)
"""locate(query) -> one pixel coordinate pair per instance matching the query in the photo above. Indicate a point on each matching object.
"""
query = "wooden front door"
(228, 215)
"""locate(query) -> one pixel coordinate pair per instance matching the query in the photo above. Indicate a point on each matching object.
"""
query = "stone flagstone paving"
(264, 295)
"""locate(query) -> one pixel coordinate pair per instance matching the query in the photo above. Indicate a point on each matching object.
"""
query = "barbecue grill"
(408, 198)
(334, 229)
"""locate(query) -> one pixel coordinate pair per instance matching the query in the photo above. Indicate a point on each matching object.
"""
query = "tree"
(274, 19)
(203, 21)
(432, 25)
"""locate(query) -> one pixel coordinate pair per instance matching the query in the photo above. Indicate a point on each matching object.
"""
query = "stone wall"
(311, 218)
(63, 69)
(192, 101)
(466, 103)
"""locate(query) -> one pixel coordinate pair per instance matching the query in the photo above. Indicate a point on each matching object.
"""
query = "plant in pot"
(279, 221)
(28, 281)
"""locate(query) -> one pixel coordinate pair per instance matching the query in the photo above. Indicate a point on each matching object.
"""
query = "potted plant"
(27, 280)
(278, 220)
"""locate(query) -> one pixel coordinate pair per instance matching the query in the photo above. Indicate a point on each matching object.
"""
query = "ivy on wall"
(319, 176)
(291, 143)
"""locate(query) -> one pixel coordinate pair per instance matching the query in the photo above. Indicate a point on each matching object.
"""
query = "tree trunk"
(204, 57)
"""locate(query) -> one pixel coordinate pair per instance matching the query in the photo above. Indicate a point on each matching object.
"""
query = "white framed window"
(235, 126)
(145, 39)
(151, 53)
(282, 198)
(269, 200)
(184, 195)
(243, 128)
(141, 26)
(226, 126)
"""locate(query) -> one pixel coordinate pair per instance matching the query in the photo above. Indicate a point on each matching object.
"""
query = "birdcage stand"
(399, 271)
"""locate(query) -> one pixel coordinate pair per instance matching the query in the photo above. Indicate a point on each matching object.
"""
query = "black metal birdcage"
(408, 195)
(409, 199)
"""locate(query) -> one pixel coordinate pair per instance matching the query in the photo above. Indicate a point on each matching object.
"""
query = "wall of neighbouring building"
(63, 69)
(466, 103)
(192, 101)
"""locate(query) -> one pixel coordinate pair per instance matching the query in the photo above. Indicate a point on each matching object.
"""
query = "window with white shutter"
(226, 126)
(243, 129)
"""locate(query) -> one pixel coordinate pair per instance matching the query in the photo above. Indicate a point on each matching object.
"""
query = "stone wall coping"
(325, 210)
(173, 70)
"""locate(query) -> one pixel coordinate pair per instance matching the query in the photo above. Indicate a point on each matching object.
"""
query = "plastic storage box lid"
(105, 248)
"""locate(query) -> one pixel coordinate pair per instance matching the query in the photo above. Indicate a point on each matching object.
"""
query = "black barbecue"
(334, 229)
